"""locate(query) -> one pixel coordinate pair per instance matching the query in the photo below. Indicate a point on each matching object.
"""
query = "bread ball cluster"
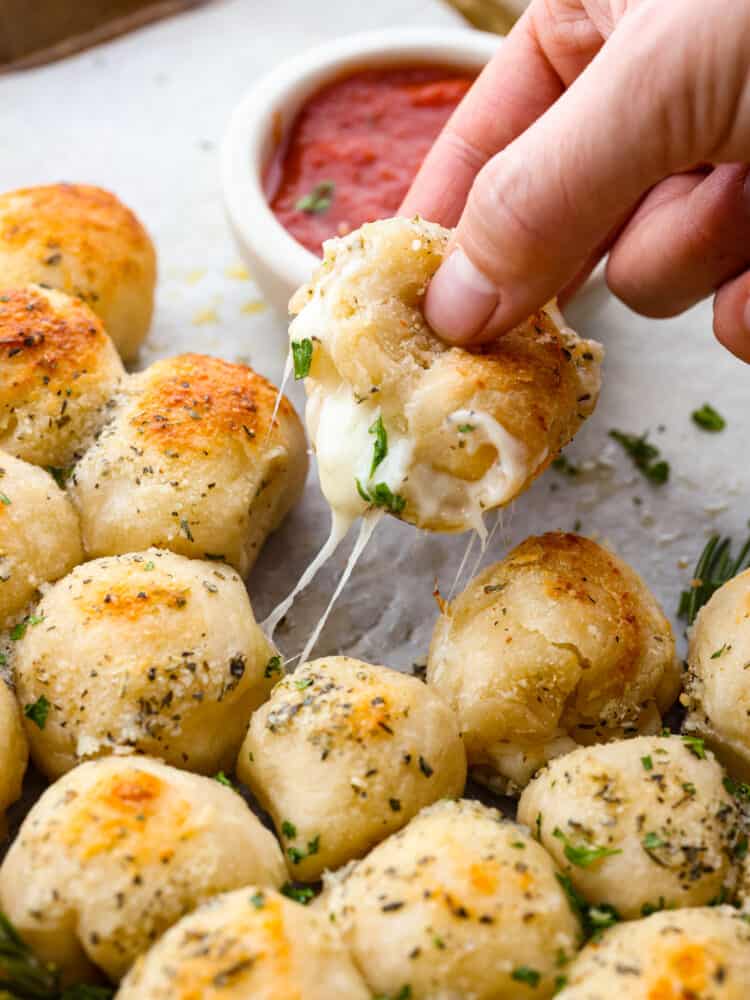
(40, 537)
(82, 241)
(464, 431)
(117, 851)
(638, 825)
(460, 903)
(249, 943)
(194, 459)
(150, 653)
(58, 373)
(345, 753)
(717, 687)
(560, 644)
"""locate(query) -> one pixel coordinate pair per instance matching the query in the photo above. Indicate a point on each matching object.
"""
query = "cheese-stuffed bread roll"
(434, 434)
(117, 851)
(14, 752)
(82, 240)
(58, 373)
(40, 538)
(697, 954)
(460, 903)
(559, 644)
(249, 943)
(190, 462)
(343, 754)
(149, 653)
(638, 824)
(717, 683)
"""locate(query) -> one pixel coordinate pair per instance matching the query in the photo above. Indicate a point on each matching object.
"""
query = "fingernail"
(460, 299)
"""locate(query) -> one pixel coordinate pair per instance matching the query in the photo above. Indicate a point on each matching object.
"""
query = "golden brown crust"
(84, 241)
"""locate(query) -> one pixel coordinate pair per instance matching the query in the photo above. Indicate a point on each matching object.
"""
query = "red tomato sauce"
(356, 146)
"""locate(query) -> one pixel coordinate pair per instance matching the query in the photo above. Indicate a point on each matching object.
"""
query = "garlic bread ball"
(147, 653)
(559, 644)
(40, 539)
(117, 851)
(82, 240)
(191, 462)
(14, 752)
(58, 373)
(696, 954)
(251, 943)
(717, 685)
(460, 903)
(640, 825)
(433, 434)
(344, 753)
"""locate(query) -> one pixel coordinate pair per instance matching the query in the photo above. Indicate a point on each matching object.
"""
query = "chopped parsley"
(713, 569)
(708, 419)
(4, 499)
(594, 919)
(289, 829)
(403, 994)
(300, 894)
(563, 464)
(525, 974)
(302, 352)
(648, 763)
(38, 711)
(295, 854)
(644, 455)
(273, 667)
(302, 683)
(720, 651)
(466, 428)
(382, 496)
(652, 842)
(583, 855)
(695, 745)
(224, 780)
(149, 566)
(318, 200)
(258, 900)
(19, 629)
(738, 789)
(380, 448)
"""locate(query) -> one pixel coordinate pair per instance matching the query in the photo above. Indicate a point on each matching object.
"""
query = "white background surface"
(144, 116)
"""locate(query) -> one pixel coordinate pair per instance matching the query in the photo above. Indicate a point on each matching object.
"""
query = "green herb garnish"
(273, 667)
(318, 200)
(524, 974)
(300, 894)
(289, 829)
(714, 568)
(4, 499)
(302, 683)
(258, 900)
(302, 352)
(380, 448)
(224, 780)
(720, 651)
(707, 418)
(695, 745)
(38, 711)
(648, 763)
(644, 455)
(583, 855)
(382, 496)
(652, 842)
(295, 854)
(19, 629)
(563, 464)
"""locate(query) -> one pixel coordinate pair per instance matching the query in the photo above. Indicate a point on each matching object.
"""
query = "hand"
(589, 132)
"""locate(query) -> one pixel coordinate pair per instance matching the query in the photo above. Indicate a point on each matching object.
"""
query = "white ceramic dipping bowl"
(263, 117)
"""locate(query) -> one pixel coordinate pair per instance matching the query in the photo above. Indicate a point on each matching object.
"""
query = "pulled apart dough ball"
(559, 644)
(14, 752)
(82, 240)
(190, 462)
(717, 686)
(343, 754)
(40, 538)
(466, 431)
(58, 373)
(252, 943)
(149, 652)
(700, 954)
(117, 851)
(460, 904)
(639, 824)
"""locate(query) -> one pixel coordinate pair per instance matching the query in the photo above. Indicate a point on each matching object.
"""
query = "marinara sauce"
(356, 146)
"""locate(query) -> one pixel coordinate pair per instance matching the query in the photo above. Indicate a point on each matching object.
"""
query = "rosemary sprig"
(713, 569)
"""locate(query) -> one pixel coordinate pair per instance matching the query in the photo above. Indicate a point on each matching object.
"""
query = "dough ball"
(466, 431)
(343, 754)
(14, 752)
(82, 240)
(150, 653)
(717, 686)
(638, 824)
(559, 644)
(699, 954)
(461, 903)
(58, 373)
(40, 539)
(190, 463)
(117, 851)
(251, 943)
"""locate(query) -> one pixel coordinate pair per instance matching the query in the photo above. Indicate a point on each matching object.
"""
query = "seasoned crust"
(559, 644)
(40, 537)
(249, 943)
(58, 373)
(14, 752)
(84, 241)
(117, 851)
(522, 397)
(342, 738)
(190, 462)
(147, 653)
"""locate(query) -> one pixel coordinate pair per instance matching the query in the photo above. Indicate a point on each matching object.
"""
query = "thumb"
(657, 98)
